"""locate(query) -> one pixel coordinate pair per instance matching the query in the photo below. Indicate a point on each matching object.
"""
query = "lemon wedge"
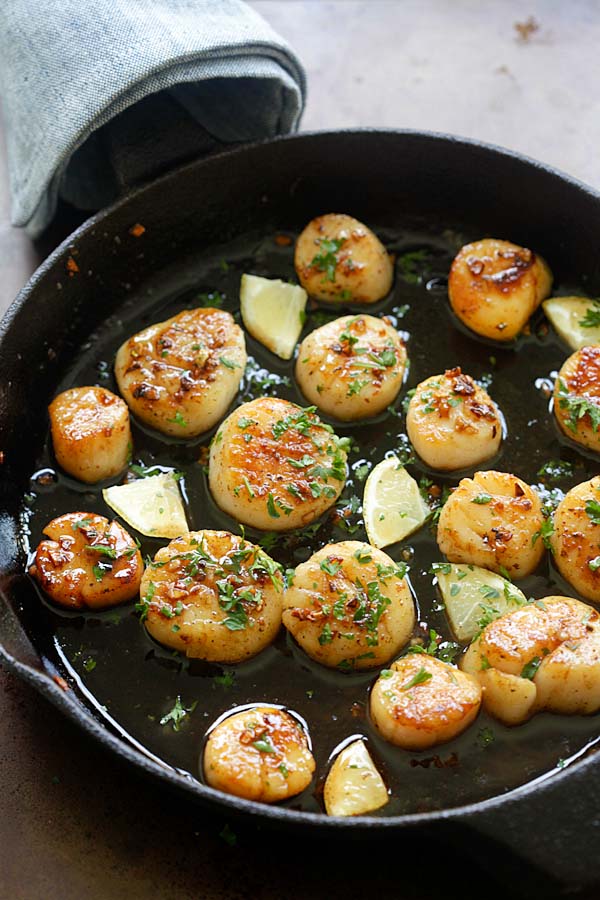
(354, 787)
(392, 505)
(273, 312)
(566, 315)
(153, 506)
(473, 597)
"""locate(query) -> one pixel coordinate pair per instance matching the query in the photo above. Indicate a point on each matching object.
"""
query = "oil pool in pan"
(137, 682)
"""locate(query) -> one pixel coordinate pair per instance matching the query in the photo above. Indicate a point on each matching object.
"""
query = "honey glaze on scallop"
(167, 703)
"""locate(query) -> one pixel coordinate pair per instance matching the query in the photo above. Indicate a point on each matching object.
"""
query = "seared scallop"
(275, 466)
(352, 367)
(575, 540)
(543, 656)
(493, 520)
(349, 606)
(180, 376)
(339, 258)
(90, 433)
(452, 422)
(87, 562)
(421, 701)
(261, 753)
(212, 595)
(495, 286)
(577, 397)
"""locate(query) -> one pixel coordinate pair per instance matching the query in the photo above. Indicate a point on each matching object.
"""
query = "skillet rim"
(79, 713)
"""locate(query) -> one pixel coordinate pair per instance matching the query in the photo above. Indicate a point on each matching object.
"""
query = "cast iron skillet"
(429, 184)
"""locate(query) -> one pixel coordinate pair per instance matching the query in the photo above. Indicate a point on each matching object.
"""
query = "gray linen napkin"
(101, 95)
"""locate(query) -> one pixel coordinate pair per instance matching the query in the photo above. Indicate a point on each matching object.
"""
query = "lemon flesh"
(354, 787)
(392, 505)
(473, 596)
(153, 506)
(566, 315)
(273, 312)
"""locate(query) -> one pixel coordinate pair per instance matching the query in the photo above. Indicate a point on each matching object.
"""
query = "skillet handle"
(552, 833)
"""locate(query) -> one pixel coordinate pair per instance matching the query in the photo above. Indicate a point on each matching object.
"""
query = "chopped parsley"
(100, 569)
(555, 469)
(386, 358)
(228, 835)
(144, 605)
(264, 745)
(545, 532)
(363, 556)
(231, 601)
(326, 261)
(271, 507)
(577, 407)
(212, 298)
(410, 265)
(104, 550)
(485, 737)
(226, 680)
(330, 566)
(356, 386)
(178, 420)
(301, 421)
(482, 499)
(326, 635)
(592, 508)
(81, 524)
(591, 318)
(178, 714)
(361, 472)
(531, 668)
(420, 678)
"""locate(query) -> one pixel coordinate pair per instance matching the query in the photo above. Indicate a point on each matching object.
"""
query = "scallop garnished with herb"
(179, 376)
(275, 466)
(349, 606)
(87, 562)
(212, 595)
(261, 753)
(353, 367)
(452, 422)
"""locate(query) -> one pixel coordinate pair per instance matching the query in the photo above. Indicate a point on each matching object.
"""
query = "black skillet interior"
(204, 226)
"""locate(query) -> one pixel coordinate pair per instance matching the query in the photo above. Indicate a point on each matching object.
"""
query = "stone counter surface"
(74, 822)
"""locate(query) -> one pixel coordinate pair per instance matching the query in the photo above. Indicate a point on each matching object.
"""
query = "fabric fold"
(98, 98)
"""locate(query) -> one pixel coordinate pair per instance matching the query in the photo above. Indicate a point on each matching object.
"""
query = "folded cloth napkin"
(100, 96)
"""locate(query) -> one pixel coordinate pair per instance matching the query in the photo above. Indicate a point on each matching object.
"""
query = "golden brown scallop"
(261, 753)
(495, 286)
(180, 376)
(577, 397)
(543, 656)
(212, 595)
(87, 562)
(338, 258)
(90, 432)
(353, 367)
(275, 466)
(493, 520)
(452, 422)
(349, 606)
(575, 540)
(421, 701)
